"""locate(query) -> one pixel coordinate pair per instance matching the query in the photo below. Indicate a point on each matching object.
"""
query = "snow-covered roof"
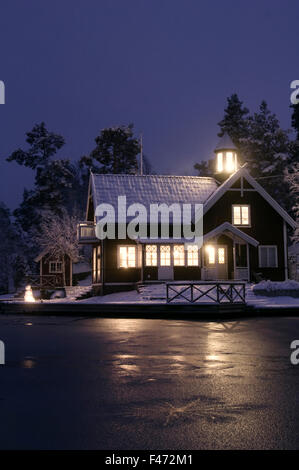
(225, 143)
(151, 189)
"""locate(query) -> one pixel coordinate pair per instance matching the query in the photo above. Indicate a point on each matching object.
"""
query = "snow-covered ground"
(156, 293)
(263, 301)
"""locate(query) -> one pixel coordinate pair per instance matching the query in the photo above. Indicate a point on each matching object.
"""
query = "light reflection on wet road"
(79, 383)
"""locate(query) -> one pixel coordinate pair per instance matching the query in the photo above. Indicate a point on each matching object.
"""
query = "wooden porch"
(46, 281)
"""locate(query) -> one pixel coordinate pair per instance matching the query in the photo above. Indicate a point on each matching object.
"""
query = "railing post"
(217, 290)
(192, 293)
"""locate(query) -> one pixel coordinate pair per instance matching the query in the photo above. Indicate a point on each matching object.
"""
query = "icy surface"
(82, 383)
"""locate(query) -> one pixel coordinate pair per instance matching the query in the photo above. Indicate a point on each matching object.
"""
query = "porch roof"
(231, 231)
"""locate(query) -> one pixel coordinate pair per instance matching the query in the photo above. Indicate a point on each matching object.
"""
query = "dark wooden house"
(245, 229)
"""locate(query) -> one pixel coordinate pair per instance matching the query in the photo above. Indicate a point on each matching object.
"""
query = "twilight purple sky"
(165, 65)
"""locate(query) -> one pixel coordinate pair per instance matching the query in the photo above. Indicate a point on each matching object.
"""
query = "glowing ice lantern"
(29, 295)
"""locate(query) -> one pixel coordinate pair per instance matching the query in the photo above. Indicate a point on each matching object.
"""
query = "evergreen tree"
(53, 182)
(115, 152)
(42, 146)
(262, 143)
(235, 121)
(294, 145)
(53, 178)
(267, 153)
(7, 249)
(295, 119)
(235, 124)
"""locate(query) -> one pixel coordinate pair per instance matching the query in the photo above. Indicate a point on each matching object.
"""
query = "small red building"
(58, 272)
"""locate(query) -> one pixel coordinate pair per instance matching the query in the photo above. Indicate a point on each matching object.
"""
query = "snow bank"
(270, 288)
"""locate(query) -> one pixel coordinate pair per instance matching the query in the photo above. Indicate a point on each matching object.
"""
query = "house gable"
(251, 185)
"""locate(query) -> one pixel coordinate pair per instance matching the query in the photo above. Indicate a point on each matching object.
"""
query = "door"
(221, 261)
(165, 268)
(216, 262)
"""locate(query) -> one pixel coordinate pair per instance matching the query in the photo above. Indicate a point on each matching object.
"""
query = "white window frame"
(118, 256)
(170, 256)
(276, 258)
(145, 260)
(181, 259)
(249, 215)
(54, 271)
(187, 257)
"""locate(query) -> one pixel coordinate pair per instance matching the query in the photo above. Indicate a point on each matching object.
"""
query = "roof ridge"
(159, 176)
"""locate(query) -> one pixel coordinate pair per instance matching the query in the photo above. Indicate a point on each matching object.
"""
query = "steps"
(152, 291)
(77, 292)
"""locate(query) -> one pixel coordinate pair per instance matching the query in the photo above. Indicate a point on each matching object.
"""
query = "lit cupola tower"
(226, 158)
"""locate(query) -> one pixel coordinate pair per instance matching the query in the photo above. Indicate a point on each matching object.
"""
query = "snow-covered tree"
(295, 119)
(58, 236)
(262, 143)
(292, 178)
(266, 150)
(266, 147)
(53, 181)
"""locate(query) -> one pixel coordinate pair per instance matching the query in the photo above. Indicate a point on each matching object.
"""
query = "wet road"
(79, 383)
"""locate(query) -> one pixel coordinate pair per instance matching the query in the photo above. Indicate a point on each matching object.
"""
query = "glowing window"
(127, 256)
(94, 263)
(165, 259)
(219, 162)
(230, 165)
(178, 255)
(151, 255)
(192, 255)
(210, 250)
(221, 256)
(241, 215)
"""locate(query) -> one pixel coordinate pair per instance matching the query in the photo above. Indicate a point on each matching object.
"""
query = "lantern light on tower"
(226, 157)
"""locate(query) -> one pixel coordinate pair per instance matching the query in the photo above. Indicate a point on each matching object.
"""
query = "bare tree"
(58, 236)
